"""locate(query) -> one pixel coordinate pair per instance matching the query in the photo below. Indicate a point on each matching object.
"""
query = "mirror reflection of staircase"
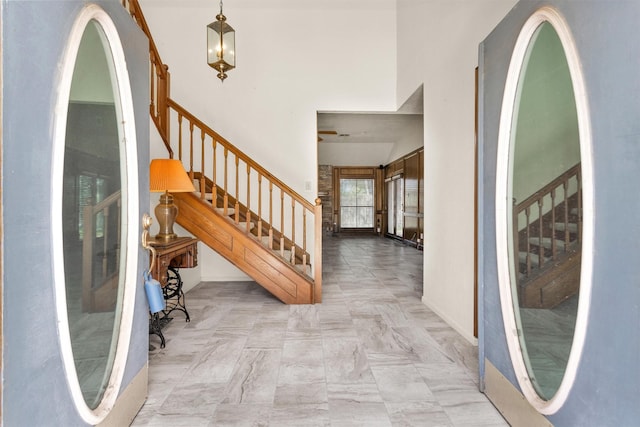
(548, 242)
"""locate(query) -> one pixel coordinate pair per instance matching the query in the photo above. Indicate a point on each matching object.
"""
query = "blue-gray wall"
(607, 387)
(35, 33)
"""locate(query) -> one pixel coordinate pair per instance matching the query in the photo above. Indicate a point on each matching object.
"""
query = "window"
(356, 203)
(91, 190)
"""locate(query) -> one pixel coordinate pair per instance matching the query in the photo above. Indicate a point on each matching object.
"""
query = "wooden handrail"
(541, 193)
(159, 80)
(240, 155)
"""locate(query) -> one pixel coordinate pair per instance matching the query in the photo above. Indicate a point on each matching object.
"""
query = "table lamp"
(168, 176)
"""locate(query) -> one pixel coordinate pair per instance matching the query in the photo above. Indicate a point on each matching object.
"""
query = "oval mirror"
(547, 210)
(92, 215)
(542, 283)
(95, 204)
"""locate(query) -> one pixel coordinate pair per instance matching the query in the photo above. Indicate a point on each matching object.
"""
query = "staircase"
(240, 210)
(547, 238)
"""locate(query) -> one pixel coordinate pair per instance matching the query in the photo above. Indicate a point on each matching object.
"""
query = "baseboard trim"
(129, 402)
(473, 340)
(513, 406)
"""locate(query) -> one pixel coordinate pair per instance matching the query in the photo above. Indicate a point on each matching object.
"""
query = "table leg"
(155, 327)
(173, 294)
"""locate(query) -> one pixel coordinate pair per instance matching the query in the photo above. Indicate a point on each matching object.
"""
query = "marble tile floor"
(372, 354)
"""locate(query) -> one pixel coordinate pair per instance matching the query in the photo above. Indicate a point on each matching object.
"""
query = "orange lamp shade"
(169, 175)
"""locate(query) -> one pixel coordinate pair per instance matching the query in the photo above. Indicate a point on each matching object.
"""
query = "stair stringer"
(242, 250)
(552, 285)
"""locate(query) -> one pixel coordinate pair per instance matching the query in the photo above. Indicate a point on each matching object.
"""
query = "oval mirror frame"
(504, 214)
(129, 164)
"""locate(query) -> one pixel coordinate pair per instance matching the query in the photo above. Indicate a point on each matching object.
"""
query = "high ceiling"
(366, 138)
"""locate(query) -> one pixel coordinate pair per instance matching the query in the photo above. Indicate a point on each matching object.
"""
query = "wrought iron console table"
(170, 256)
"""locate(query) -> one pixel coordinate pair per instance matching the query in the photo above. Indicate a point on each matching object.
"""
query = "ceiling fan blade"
(327, 132)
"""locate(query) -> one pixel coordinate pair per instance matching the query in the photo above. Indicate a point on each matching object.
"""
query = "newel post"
(317, 252)
(164, 85)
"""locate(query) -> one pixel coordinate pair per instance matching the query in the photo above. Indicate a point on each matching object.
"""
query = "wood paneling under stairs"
(553, 285)
(263, 265)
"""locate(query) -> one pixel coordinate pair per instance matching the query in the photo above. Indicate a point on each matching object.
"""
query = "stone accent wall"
(325, 190)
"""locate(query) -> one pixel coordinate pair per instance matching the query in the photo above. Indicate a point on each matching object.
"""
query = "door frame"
(1, 222)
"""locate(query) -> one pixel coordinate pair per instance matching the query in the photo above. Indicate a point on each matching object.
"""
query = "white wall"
(438, 46)
(409, 140)
(294, 57)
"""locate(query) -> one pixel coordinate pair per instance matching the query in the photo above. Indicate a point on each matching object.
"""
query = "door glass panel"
(365, 217)
(399, 189)
(356, 203)
(348, 192)
(93, 207)
(391, 207)
(546, 229)
(395, 208)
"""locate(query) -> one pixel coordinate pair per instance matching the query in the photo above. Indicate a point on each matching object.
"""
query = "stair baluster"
(527, 213)
(540, 246)
(260, 207)
(554, 245)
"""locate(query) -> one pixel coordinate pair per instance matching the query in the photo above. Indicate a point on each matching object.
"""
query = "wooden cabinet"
(181, 252)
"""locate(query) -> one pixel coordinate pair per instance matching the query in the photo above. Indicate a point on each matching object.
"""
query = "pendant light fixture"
(221, 45)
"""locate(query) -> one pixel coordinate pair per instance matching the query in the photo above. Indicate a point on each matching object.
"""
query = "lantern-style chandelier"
(221, 45)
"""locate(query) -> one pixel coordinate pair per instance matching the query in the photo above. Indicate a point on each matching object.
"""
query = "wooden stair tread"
(547, 242)
(535, 258)
(230, 211)
(207, 196)
(560, 226)
(243, 225)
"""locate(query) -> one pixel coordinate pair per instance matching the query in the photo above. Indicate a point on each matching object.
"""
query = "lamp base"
(162, 237)
(166, 213)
